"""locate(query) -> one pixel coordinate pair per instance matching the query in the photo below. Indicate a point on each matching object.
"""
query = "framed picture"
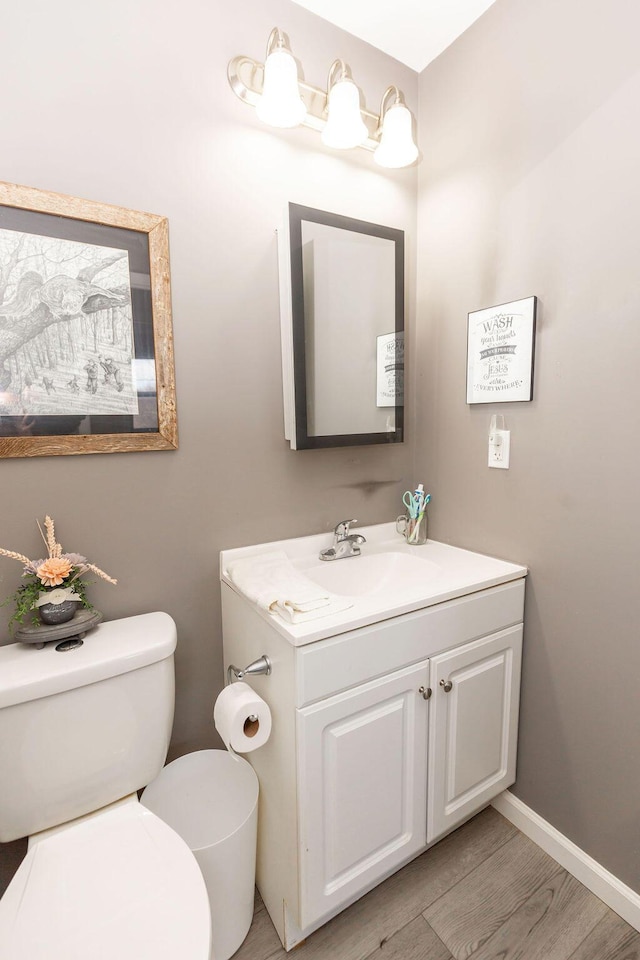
(86, 339)
(500, 352)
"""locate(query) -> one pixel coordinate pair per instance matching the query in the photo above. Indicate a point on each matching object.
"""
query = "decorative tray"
(82, 622)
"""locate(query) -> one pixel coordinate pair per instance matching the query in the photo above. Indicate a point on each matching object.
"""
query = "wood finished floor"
(485, 892)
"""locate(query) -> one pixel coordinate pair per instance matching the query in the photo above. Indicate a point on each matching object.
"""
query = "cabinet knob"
(446, 685)
(425, 691)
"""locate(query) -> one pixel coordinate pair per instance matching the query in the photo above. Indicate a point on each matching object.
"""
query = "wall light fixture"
(396, 148)
(280, 104)
(281, 99)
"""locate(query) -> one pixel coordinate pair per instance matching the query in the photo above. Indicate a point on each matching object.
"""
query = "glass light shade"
(345, 127)
(281, 104)
(396, 148)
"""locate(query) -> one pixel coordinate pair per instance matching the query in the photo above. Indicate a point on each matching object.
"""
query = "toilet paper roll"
(242, 718)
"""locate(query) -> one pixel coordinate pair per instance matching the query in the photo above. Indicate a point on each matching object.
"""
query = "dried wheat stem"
(90, 566)
(51, 537)
(14, 556)
(43, 536)
(100, 573)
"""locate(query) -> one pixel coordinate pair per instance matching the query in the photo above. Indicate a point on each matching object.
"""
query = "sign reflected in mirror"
(342, 310)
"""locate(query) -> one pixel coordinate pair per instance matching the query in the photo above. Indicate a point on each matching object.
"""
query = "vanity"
(394, 720)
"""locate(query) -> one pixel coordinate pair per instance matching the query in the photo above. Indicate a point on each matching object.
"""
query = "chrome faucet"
(345, 544)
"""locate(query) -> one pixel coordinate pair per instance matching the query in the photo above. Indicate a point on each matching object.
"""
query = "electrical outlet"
(499, 447)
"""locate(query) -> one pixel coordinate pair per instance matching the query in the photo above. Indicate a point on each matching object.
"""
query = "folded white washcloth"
(272, 582)
(287, 612)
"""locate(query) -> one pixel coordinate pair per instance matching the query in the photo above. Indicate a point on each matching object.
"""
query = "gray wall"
(529, 185)
(128, 103)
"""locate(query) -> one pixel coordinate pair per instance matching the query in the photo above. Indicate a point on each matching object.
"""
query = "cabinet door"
(362, 787)
(474, 727)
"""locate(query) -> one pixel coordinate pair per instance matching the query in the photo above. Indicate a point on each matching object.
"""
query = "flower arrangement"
(59, 572)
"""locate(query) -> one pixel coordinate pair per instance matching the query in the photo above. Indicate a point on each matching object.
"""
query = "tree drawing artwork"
(66, 328)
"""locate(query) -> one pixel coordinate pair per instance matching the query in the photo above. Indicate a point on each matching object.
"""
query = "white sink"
(398, 574)
(389, 578)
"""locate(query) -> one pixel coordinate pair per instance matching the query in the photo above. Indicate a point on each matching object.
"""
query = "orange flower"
(54, 571)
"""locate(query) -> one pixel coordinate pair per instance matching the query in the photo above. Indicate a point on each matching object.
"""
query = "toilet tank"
(82, 728)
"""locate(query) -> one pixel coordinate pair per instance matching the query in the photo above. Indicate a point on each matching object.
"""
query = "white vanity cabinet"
(390, 766)
(362, 787)
(385, 737)
(474, 727)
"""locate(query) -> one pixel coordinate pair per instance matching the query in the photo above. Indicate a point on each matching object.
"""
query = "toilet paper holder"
(259, 667)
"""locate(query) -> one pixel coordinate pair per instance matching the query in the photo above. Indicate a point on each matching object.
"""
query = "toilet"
(81, 731)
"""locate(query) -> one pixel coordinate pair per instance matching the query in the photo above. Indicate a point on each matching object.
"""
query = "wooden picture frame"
(86, 337)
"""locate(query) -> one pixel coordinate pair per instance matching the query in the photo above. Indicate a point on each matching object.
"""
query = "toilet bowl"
(80, 733)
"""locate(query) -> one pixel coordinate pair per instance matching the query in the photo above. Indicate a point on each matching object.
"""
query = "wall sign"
(390, 370)
(500, 352)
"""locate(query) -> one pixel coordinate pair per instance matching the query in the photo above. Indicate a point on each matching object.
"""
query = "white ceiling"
(412, 31)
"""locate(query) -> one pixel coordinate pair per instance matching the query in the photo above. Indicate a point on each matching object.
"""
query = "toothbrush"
(414, 533)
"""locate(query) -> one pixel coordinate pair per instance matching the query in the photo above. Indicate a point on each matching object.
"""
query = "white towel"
(272, 582)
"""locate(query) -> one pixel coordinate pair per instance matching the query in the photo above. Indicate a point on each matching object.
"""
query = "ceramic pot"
(57, 612)
(57, 606)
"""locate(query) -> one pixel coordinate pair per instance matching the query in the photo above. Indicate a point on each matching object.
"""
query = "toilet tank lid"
(111, 648)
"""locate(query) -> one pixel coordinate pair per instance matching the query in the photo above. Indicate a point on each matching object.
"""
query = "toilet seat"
(116, 883)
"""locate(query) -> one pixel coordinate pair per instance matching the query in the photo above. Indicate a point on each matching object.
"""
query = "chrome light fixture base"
(246, 79)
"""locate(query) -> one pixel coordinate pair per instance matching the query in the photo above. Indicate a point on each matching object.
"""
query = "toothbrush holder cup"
(414, 530)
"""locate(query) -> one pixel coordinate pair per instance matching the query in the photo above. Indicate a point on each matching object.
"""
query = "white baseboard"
(616, 894)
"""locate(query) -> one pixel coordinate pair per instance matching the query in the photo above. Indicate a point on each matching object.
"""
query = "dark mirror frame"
(297, 215)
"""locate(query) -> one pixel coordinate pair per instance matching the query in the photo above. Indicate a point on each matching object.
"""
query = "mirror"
(342, 312)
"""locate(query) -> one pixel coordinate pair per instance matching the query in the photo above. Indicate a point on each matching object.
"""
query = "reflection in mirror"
(342, 292)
